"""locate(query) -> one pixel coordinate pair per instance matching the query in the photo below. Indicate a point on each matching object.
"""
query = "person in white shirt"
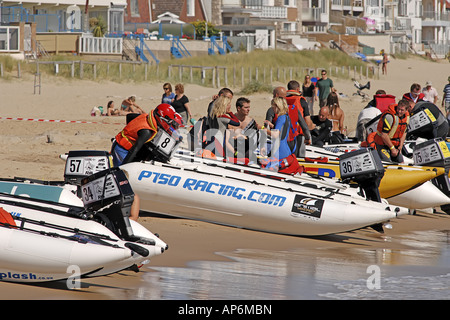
(430, 93)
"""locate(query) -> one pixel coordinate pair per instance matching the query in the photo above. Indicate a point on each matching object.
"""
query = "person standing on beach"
(324, 87)
(309, 92)
(322, 127)
(168, 95)
(384, 62)
(446, 98)
(222, 92)
(270, 114)
(430, 93)
(219, 121)
(246, 134)
(337, 118)
(181, 103)
(283, 159)
(295, 100)
(415, 94)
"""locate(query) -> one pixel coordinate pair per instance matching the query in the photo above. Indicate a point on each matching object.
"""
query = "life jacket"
(294, 102)
(293, 132)
(398, 128)
(370, 141)
(6, 218)
(283, 160)
(382, 101)
(420, 97)
(288, 165)
(129, 135)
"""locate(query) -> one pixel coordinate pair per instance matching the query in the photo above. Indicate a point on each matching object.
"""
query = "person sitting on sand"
(110, 110)
(129, 106)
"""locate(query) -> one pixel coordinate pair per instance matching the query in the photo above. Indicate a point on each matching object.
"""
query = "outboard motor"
(110, 188)
(162, 146)
(88, 165)
(364, 167)
(427, 122)
(435, 153)
(80, 164)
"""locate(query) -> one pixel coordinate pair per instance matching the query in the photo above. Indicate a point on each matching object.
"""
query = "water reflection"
(326, 273)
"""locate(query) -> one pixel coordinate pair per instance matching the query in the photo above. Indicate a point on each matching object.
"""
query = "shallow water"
(421, 272)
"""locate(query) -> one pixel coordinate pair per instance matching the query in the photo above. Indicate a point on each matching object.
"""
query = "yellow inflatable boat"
(397, 178)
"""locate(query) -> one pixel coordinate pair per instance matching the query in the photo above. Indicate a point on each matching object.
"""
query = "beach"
(32, 143)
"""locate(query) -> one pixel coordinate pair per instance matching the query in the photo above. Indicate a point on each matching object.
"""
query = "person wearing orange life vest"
(143, 129)
(391, 132)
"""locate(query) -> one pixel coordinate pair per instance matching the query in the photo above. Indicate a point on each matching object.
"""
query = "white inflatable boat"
(252, 198)
(103, 224)
(30, 256)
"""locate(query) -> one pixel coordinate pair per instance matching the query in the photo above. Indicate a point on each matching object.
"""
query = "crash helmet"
(167, 118)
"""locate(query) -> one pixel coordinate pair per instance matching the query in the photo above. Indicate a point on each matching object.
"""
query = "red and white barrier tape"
(66, 121)
(57, 121)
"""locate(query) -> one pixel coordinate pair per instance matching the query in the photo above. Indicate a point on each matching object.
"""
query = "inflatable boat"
(421, 153)
(27, 255)
(396, 180)
(102, 223)
(252, 198)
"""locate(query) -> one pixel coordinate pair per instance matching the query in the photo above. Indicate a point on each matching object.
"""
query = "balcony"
(314, 16)
(347, 5)
(255, 8)
(435, 19)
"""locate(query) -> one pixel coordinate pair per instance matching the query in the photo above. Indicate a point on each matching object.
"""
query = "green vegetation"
(255, 71)
(98, 26)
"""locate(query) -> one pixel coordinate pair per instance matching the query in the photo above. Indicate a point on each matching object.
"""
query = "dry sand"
(31, 149)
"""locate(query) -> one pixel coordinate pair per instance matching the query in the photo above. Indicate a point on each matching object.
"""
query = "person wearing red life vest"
(415, 94)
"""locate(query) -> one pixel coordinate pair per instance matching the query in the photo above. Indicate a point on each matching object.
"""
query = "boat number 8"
(165, 142)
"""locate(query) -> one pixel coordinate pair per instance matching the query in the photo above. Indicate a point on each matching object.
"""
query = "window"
(9, 39)
(190, 8)
(134, 8)
(290, 3)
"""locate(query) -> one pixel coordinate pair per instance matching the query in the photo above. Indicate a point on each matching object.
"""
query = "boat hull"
(51, 218)
(197, 191)
(397, 179)
(33, 257)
